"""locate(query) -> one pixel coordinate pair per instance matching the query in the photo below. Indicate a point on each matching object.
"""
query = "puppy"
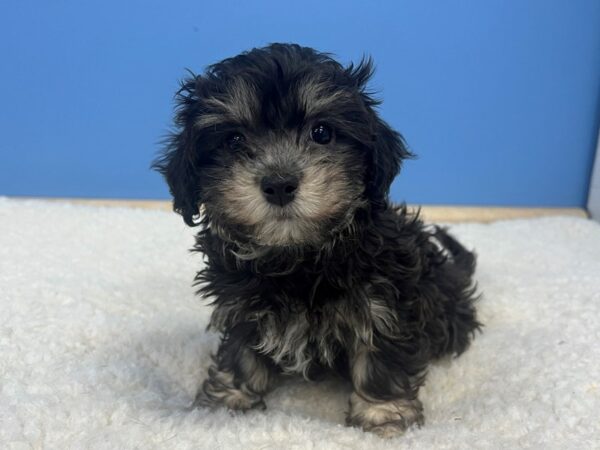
(281, 160)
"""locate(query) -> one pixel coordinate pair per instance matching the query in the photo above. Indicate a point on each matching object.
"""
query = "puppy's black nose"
(279, 190)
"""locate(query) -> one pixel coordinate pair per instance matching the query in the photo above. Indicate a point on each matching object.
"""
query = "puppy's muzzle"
(279, 189)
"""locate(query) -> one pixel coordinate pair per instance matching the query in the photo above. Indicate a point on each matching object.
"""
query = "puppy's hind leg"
(384, 400)
(239, 377)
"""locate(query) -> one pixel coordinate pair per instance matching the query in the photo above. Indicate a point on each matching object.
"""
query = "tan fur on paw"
(386, 419)
(220, 390)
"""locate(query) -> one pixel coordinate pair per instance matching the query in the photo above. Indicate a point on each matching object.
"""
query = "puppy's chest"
(306, 338)
(302, 328)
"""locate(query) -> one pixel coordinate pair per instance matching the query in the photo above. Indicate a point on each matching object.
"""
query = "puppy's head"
(280, 145)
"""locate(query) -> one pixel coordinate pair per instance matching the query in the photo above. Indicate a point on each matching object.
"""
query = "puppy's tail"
(463, 258)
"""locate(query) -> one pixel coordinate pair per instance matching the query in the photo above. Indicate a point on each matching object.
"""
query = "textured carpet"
(102, 343)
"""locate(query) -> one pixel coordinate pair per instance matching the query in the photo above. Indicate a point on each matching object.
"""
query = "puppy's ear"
(180, 159)
(387, 148)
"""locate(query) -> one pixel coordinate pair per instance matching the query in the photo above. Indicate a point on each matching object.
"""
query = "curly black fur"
(364, 289)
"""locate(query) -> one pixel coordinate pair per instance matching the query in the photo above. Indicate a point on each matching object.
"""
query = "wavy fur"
(340, 280)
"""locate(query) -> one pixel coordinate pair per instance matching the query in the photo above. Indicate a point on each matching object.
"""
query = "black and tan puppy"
(281, 159)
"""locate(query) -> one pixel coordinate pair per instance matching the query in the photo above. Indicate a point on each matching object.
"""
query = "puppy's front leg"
(384, 400)
(239, 377)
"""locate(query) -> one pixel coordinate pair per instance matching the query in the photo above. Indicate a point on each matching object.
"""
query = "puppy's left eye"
(235, 140)
(321, 134)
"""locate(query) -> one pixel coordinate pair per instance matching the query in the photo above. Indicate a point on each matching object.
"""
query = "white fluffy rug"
(102, 343)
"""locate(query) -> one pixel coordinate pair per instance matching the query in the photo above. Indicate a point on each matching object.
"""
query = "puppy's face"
(279, 145)
(281, 166)
(283, 185)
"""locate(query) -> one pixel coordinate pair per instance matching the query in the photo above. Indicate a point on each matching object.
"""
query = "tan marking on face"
(245, 202)
(314, 95)
(325, 191)
(239, 104)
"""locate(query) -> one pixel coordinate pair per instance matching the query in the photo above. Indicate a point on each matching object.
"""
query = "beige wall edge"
(434, 213)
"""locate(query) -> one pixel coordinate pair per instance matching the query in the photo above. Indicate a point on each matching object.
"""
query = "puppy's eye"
(321, 134)
(235, 140)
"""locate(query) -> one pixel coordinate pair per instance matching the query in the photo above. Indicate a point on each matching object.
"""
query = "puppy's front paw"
(219, 389)
(386, 419)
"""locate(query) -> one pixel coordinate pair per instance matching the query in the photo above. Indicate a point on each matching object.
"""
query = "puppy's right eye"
(321, 134)
(235, 140)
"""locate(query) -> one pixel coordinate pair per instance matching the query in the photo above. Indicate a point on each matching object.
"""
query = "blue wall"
(500, 98)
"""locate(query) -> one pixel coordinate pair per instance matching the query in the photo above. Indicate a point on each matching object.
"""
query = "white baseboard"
(594, 194)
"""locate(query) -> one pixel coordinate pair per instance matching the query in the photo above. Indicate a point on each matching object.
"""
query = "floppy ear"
(388, 149)
(178, 163)
(386, 146)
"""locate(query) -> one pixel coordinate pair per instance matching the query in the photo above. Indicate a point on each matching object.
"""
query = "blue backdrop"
(499, 98)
